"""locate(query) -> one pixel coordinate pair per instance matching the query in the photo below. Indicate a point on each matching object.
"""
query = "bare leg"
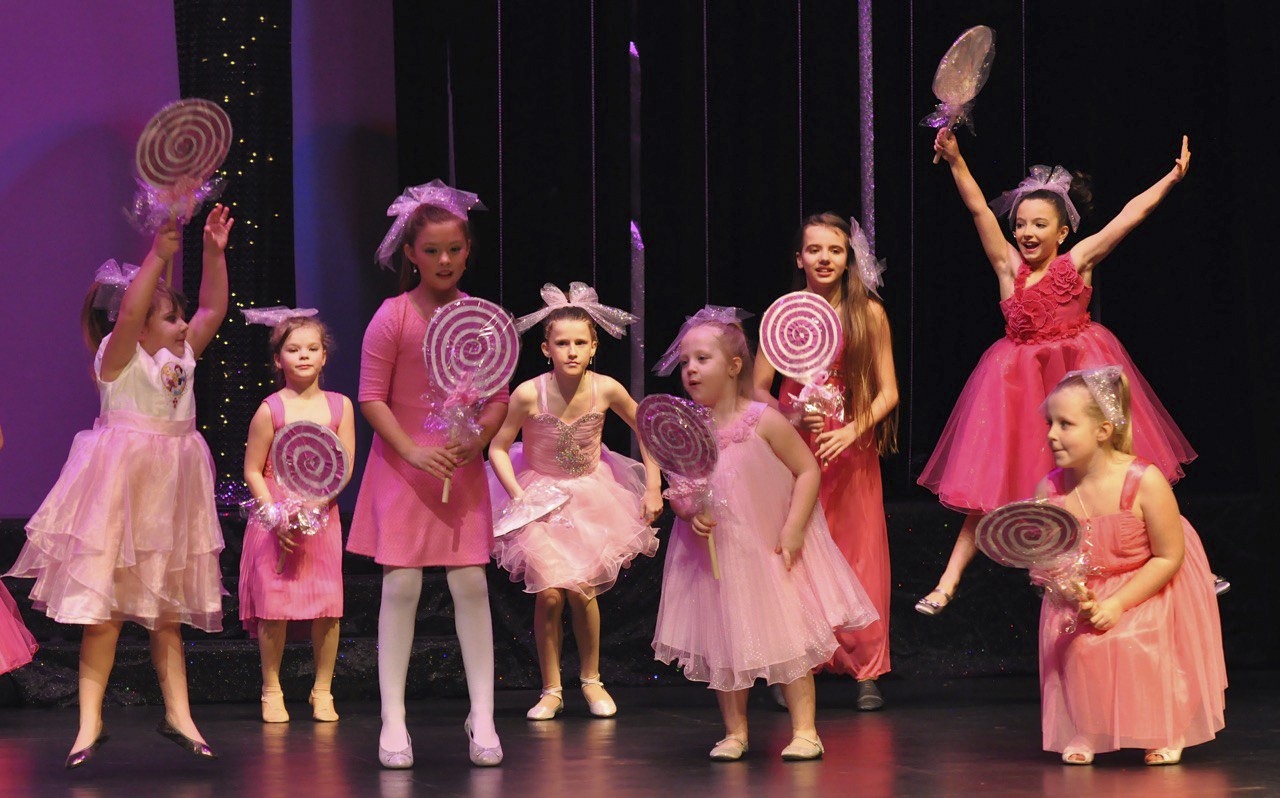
(171, 667)
(97, 656)
(271, 634)
(474, 626)
(586, 633)
(733, 708)
(401, 588)
(548, 635)
(801, 701)
(961, 555)
(324, 648)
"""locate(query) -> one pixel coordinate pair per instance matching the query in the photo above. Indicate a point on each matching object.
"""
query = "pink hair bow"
(436, 193)
(869, 268)
(717, 313)
(274, 315)
(613, 320)
(1042, 178)
(113, 278)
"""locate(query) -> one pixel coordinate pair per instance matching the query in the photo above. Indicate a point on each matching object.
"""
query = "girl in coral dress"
(785, 589)
(1143, 667)
(992, 451)
(574, 554)
(837, 263)
(17, 646)
(284, 577)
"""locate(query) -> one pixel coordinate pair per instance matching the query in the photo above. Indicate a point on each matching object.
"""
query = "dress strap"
(1132, 478)
(276, 404)
(335, 409)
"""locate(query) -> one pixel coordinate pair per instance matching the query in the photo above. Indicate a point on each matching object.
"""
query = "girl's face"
(1074, 435)
(440, 252)
(302, 356)
(164, 329)
(1038, 230)
(706, 369)
(570, 346)
(824, 257)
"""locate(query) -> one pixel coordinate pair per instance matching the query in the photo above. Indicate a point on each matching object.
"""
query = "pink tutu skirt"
(993, 450)
(587, 542)
(17, 646)
(130, 531)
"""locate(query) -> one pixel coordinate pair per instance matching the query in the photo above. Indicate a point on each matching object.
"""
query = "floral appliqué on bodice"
(1054, 308)
(742, 428)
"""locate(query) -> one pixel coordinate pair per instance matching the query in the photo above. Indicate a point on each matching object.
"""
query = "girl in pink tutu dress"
(785, 589)
(130, 531)
(574, 554)
(991, 451)
(17, 646)
(837, 264)
(309, 587)
(1143, 667)
(401, 520)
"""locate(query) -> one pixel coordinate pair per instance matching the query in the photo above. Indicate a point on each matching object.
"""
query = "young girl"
(850, 492)
(400, 519)
(1144, 667)
(310, 585)
(991, 452)
(576, 553)
(774, 611)
(130, 531)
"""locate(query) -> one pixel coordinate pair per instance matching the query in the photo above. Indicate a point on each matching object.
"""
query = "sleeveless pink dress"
(17, 646)
(853, 502)
(1156, 679)
(311, 584)
(759, 620)
(993, 450)
(583, 545)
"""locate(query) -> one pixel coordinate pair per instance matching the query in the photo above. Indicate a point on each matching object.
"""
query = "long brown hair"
(424, 215)
(858, 364)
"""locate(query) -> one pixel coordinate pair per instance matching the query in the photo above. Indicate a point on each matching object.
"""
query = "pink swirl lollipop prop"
(312, 466)
(677, 435)
(800, 335)
(470, 348)
(1028, 534)
(961, 74)
(183, 144)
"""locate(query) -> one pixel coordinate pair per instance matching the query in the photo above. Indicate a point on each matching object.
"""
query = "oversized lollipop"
(961, 74)
(1043, 538)
(677, 435)
(800, 335)
(312, 467)
(470, 348)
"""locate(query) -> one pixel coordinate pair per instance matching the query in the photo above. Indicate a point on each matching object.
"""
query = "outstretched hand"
(945, 145)
(217, 228)
(1182, 163)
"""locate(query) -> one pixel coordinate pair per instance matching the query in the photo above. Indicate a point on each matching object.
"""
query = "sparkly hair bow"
(717, 313)
(274, 315)
(1101, 383)
(613, 320)
(869, 268)
(112, 279)
(434, 193)
(1042, 178)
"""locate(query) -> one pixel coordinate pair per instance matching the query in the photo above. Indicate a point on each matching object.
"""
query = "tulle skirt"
(993, 450)
(1154, 680)
(17, 646)
(130, 531)
(586, 543)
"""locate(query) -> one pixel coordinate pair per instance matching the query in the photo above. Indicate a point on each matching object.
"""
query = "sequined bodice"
(557, 448)
(1054, 308)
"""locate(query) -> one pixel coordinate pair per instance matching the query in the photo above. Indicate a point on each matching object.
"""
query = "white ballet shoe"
(540, 711)
(605, 707)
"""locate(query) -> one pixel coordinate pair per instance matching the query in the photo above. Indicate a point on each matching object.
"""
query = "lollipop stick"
(280, 561)
(444, 497)
(711, 550)
(937, 156)
(168, 267)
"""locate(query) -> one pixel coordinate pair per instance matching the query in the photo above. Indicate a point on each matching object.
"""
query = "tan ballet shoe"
(730, 749)
(273, 710)
(321, 702)
(802, 749)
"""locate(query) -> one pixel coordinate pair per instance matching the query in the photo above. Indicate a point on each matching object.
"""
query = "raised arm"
(523, 401)
(213, 280)
(1088, 252)
(1001, 254)
(621, 403)
(135, 305)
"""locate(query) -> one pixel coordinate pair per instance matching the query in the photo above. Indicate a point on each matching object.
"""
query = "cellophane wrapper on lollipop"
(819, 395)
(693, 495)
(1064, 580)
(152, 208)
(961, 74)
(300, 517)
(454, 415)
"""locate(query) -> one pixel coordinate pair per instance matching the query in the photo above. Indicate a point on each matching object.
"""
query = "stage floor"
(953, 738)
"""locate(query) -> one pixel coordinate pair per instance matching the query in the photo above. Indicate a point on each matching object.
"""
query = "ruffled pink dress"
(311, 584)
(583, 545)
(993, 450)
(759, 620)
(400, 519)
(17, 646)
(130, 530)
(1154, 680)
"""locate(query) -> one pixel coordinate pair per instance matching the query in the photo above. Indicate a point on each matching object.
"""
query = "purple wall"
(344, 150)
(79, 82)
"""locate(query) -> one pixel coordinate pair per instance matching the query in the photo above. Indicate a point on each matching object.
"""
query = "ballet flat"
(539, 712)
(730, 749)
(194, 747)
(802, 749)
(77, 758)
(605, 707)
(273, 710)
(397, 760)
(480, 756)
(322, 710)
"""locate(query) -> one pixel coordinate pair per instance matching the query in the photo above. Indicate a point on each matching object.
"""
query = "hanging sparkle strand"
(799, 110)
(866, 116)
(448, 93)
(595, 248)
(637, 242)
(911, 236)
(706, 160)
(501, 207)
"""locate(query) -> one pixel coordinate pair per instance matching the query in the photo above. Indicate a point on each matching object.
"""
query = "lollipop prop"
(470, 348)
(312, 467)
(177, 154)
(800, 335)
(1043, 538)
(961, 74)
(677, 435)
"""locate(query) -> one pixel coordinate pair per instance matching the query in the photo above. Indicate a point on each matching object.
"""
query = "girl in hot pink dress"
(1143, 667)
(785, 589)
(991, 451)
(309, 585)
(574, 554)
(400, 519)
(17, 646)
(837, 263)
